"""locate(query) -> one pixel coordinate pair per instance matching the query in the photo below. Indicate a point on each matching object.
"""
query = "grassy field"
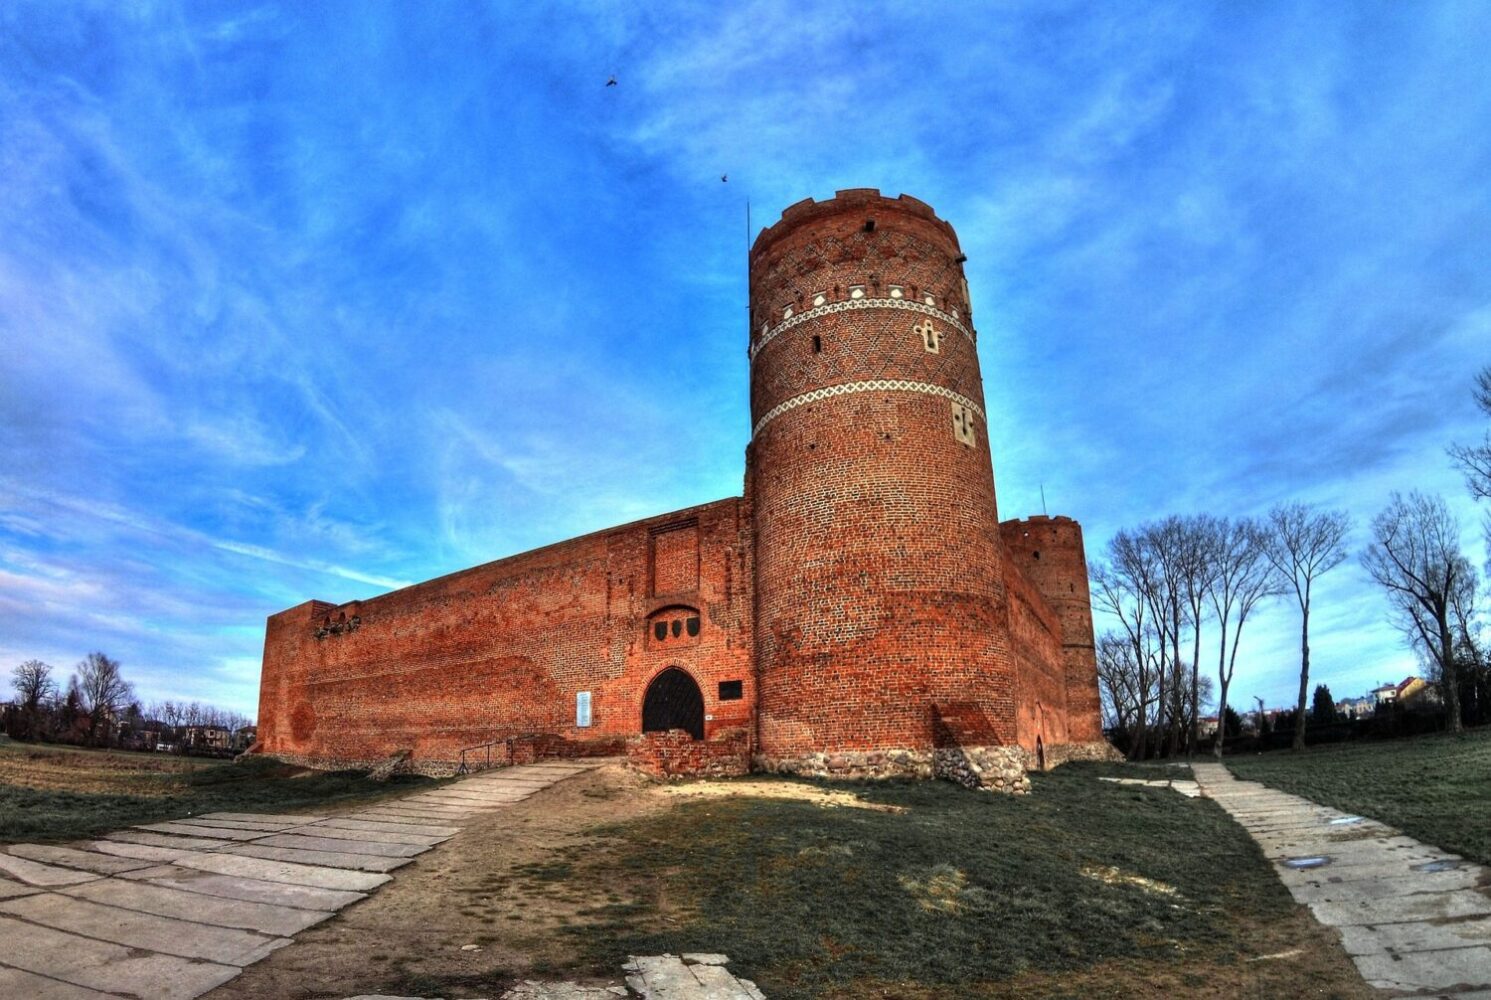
(1435, 788)
(918, 890)
(50, 793)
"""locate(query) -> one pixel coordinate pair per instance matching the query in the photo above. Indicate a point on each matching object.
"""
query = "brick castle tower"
(879, 569)
(861, 610)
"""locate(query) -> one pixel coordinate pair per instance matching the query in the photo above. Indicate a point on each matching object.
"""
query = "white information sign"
(582, 708)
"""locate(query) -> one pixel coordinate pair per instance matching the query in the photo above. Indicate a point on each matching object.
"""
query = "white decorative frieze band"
(874, 385)
(838, 307)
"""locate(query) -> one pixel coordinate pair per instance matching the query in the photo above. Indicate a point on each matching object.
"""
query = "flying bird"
(724, 178)
(611, 82)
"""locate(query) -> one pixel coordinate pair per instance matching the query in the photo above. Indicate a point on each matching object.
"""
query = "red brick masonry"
(863, 580)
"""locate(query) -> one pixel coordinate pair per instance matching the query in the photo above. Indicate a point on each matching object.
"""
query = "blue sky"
(313, 300)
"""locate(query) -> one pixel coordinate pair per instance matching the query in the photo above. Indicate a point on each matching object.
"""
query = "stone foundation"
(427, 768)
(851, 764)
(1066, 753)
(991, 769)
(525, 749)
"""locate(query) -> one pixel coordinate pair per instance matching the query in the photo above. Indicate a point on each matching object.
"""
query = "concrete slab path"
(173, 910)
(1415, 919)
(648, 977)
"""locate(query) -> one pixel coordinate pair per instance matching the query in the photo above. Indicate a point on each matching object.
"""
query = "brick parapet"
(675, 753)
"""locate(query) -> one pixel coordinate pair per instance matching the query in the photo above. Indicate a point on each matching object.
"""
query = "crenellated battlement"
(848, 200)
(1040, 522)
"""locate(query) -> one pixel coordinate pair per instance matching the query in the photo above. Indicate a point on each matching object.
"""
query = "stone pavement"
(653, 977)
(1415, 919)
(168, 911)
(1184, 786)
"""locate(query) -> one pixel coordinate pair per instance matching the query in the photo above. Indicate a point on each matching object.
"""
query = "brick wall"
(1035, 643)
(675, 753)
(501, 650)
(1048, 551)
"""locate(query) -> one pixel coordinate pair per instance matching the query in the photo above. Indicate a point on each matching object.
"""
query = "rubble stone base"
(851, 764)
(991, 769)
(1065, 753)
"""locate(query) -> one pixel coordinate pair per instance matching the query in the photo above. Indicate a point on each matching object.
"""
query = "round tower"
(879, 577)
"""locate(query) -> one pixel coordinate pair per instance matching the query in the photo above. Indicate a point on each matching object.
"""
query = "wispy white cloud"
(288, 311)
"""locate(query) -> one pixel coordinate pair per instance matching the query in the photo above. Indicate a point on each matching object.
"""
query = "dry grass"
(51, 793)
(95, 772)
(951, 896)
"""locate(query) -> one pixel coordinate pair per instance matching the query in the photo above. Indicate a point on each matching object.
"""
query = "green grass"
(1434, 788)
(257, 785)
(959, 888)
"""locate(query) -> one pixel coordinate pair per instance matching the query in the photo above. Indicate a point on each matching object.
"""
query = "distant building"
(1415, 692)
(244, 737)
(1356, 708)
(207, 737)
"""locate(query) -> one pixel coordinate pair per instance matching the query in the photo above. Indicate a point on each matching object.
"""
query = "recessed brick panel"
(675, 559)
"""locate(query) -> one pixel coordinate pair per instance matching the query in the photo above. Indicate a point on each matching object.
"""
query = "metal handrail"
(464, 769)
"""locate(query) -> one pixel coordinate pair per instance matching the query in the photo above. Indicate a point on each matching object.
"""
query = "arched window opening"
(673, 701)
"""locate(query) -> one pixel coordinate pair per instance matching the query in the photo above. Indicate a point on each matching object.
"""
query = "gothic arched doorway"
(673, 701)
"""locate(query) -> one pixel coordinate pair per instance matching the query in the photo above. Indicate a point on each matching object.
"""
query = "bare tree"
(1415, 555)
(102, 690)
(1243, 579)
(34, 685)
(1199, 538)
(1304, 542)
(1126, 683)
(1147, 584)
(1472, 662)
(1196, 703)
(1165, 541)
(1122, 588)
(1475, 460)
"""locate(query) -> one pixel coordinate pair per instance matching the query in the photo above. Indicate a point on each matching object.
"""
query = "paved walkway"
(168, 911)
(1415, 919)
(652, 977)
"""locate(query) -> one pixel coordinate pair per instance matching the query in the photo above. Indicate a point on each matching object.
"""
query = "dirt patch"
(1116, 876)
(487, 887)
(827, 797)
